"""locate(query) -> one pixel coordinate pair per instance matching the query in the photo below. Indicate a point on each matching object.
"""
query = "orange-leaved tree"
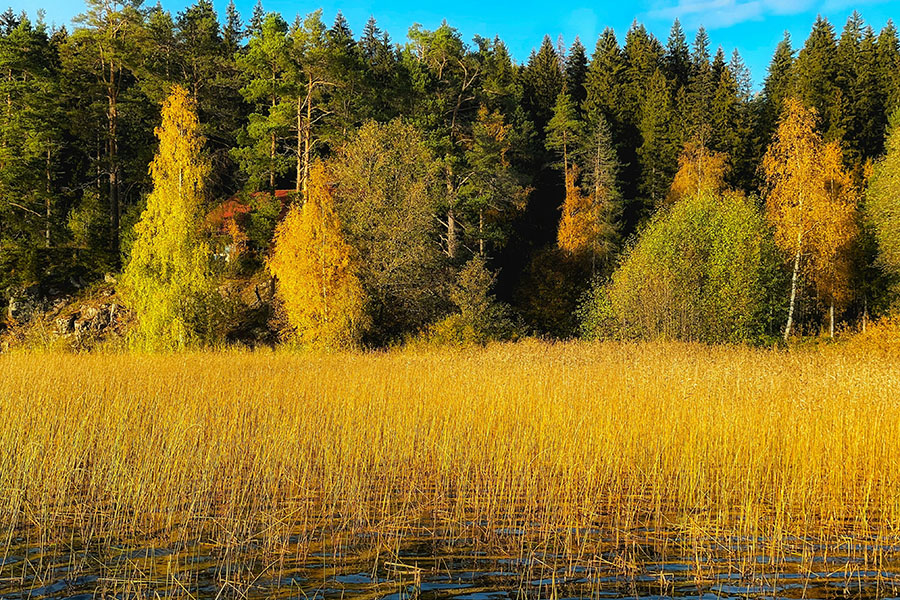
(699, 170)
(577, 227)
(167, 280)
(317, 279)
(806, 202)
(589, 226)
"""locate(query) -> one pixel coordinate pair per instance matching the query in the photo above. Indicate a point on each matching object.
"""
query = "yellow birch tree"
(831, 264)
(811, 212)
(317, 279)
(699, 170)
(167, 280)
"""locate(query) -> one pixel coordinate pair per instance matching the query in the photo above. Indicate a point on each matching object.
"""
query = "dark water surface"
(461, 569)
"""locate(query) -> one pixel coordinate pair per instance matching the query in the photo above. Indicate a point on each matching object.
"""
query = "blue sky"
(754, 27)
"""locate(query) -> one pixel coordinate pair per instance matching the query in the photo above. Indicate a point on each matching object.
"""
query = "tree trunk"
(481, 231)
(272, 165)
(115, 211)
(47, 197)
(307, 141)
(299, 146)
(452, 235)
(831, 318)
(790, 319)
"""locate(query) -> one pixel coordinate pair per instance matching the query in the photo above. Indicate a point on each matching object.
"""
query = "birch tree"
(811, 215)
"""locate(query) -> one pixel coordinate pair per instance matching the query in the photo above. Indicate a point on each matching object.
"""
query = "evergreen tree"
(701, 88)
(605, 82)
(254, 27)
(109, 43)
(888, 63)
(656, 153)
(542, 81)
(265, 69)
(31, 137)
(233, 31)
(816, 72)
(564, 130)
(493, 193)
(576, 72)
(678, 59)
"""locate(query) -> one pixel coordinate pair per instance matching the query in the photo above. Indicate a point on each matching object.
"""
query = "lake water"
(644, 564)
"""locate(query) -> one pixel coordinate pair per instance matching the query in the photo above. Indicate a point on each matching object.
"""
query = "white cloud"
(717, 14)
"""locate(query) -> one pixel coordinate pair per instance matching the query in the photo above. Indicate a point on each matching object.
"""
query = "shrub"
(706, 270)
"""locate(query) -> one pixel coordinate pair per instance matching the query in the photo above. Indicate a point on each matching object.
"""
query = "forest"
(434, 190)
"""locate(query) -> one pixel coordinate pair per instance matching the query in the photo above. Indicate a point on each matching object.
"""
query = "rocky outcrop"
(78, 322)
(24, 304)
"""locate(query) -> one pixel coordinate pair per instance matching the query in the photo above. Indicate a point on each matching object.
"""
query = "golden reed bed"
(574, 448)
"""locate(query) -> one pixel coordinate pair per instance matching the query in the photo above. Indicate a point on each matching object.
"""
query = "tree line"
(437, 188)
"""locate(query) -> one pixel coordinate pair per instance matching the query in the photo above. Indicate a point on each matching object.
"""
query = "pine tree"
(499, 88)
(109, 43)
(167, 279)
(493, 193)
(31, 136)
(265, 67)
(316, 271)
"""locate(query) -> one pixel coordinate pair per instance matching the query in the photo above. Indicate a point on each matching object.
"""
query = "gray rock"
(66, 325)
(23, 304)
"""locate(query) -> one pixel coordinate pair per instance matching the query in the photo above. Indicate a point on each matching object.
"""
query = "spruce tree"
(678, 58)
(576, 72)
(816, 72)
(701, 88)
(656, 153)
(888, 64)
(542, 81)
(605, 81)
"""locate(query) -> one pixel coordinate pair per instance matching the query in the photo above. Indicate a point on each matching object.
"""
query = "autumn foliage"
(167, 279)
(811, 203)
(699, 170)
(317, 276)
